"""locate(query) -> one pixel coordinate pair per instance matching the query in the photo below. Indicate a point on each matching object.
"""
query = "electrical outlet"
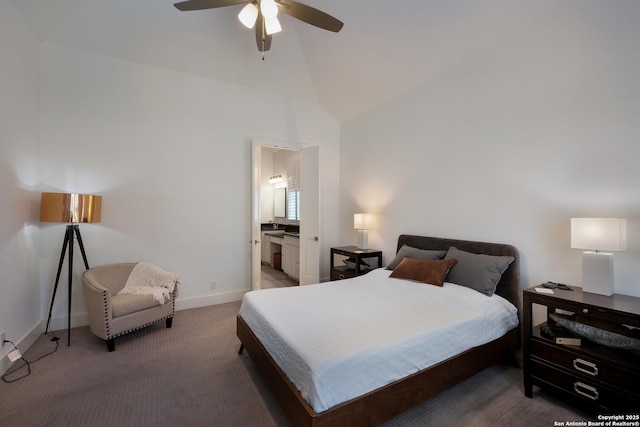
(212, 285)
(2, 338)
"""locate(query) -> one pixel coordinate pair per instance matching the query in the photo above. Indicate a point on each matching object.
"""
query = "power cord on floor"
(27, 363)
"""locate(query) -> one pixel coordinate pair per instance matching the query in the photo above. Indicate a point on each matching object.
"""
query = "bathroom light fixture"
(362, 222)
(72, 209)
(276, 179)
(598, 234)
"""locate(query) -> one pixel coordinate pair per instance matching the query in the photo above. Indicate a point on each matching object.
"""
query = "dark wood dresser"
(595, 377)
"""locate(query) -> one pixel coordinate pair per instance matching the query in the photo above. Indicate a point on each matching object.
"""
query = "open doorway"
(280, 217)
(285, 214)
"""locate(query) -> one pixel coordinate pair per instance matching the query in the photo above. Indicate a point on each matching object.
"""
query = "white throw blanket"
(147, 279)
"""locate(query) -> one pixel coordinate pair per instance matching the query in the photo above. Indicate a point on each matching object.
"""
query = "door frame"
(256, 233)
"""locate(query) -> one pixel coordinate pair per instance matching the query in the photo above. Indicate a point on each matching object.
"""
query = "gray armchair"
(112, 315)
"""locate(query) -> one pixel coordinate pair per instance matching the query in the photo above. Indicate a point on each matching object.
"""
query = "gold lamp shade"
(67, 207)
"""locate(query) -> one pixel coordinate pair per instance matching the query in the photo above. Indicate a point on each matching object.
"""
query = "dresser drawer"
(589, 391)
(596, 377)
(586, 366)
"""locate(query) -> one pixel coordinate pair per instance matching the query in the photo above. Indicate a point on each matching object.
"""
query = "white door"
(256, 234)
(309, 216)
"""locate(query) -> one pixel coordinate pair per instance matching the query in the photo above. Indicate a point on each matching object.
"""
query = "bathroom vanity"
(282, 243)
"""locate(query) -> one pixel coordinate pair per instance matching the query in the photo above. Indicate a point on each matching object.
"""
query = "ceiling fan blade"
(310, 15)
(263, 40)
(206, 4)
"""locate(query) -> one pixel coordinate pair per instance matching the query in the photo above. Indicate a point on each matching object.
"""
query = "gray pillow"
(481, 272)
(411, 252)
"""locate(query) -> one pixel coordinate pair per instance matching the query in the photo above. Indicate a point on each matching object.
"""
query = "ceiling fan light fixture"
(262, 15)
(269, 9)
(248, 15)
(272, 26)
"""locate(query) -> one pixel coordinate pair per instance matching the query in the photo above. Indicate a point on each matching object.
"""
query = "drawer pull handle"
(585, 366)
(586, 390)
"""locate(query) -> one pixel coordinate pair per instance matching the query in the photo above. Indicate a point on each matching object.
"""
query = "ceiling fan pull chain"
(263, 37)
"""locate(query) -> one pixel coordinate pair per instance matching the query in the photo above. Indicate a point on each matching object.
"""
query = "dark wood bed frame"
(388, 401)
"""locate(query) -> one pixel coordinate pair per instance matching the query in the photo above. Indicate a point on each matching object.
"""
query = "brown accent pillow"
(428, 271)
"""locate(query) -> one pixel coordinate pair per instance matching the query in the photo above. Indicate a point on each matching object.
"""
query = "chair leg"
(169, 321)
(111, 344)
(241, 350)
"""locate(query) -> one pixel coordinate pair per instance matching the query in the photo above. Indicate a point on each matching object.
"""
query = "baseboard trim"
(23, 345)
(58, 323)
(82, 319)
(207, 300)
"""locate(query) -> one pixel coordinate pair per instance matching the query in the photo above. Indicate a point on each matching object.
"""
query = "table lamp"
(362, 222)
(72, 209)
(596, 235)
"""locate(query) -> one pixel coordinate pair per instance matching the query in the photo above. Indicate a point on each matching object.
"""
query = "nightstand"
(598, 378)
(356, 254)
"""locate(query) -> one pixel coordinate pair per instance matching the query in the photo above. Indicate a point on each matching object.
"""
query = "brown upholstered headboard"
(509, 284)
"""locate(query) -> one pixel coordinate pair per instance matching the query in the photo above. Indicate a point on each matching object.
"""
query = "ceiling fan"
(263, 15)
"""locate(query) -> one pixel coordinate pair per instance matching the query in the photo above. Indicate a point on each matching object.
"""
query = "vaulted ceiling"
(385, 48)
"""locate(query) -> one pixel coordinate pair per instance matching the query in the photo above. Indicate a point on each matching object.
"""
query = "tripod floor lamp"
(72, 209)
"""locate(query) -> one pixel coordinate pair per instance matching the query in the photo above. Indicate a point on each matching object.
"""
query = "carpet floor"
(192, 375)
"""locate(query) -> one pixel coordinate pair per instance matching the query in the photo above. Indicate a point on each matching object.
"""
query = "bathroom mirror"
(280, 203)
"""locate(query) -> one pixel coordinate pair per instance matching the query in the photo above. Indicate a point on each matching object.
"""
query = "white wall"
(509, 147)
(20, 299)
(171, 155)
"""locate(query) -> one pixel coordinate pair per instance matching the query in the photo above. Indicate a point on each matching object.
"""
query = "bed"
(286, 362)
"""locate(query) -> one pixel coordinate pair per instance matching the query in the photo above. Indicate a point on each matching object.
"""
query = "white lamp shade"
(362, 221)
(269, 9)
(272, 26)
(601, 234)
(248, 15)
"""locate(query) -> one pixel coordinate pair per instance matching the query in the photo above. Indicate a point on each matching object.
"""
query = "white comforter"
(339, 340)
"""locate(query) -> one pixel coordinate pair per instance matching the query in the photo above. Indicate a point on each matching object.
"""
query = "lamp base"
(363, 239)
(72, 228)
(597, 273)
